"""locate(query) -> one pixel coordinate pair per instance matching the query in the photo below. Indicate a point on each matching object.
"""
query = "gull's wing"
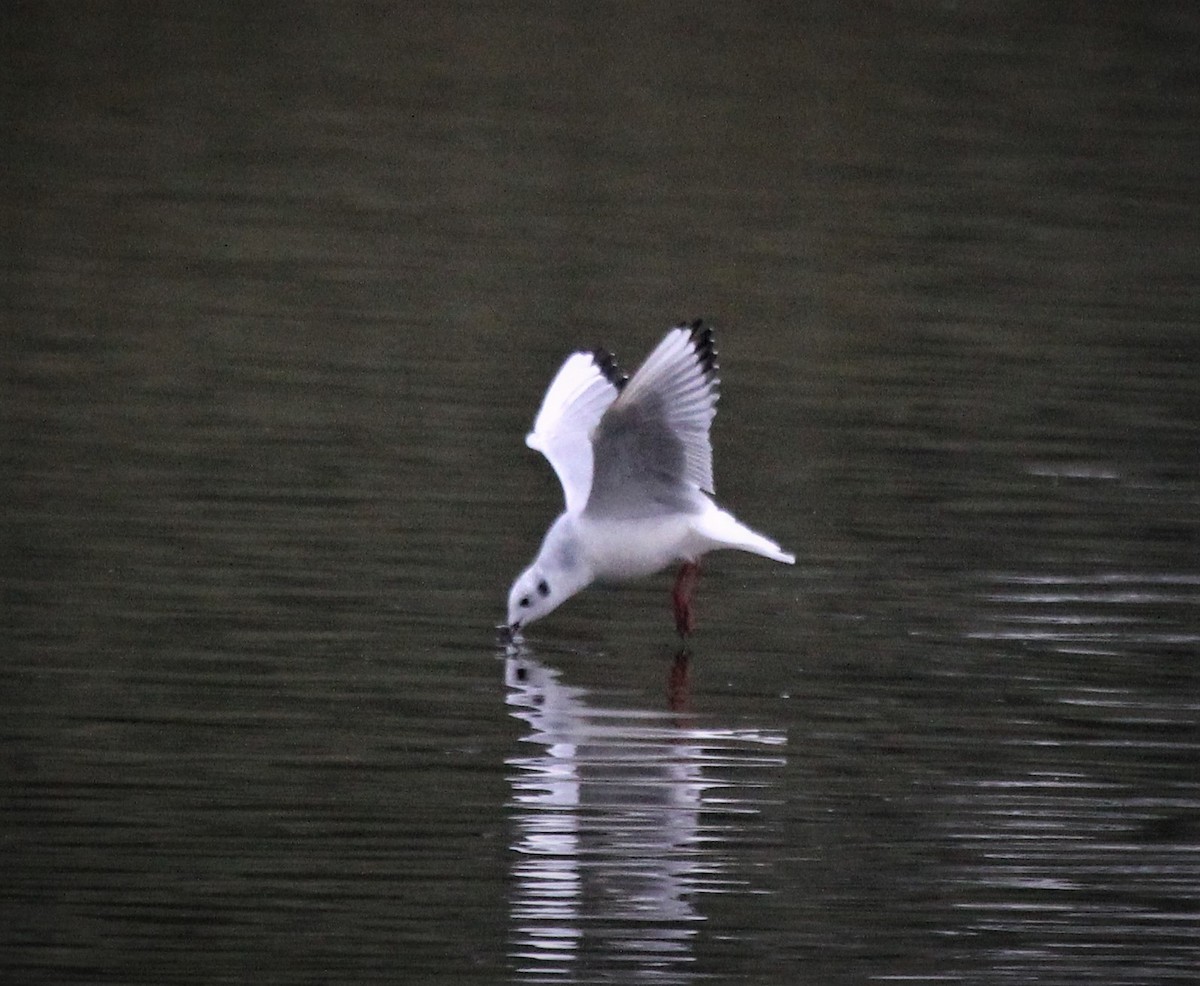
(652, 450)
(582, 391)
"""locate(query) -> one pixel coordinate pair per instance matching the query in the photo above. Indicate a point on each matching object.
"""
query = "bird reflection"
(618, 828)
(679, 681)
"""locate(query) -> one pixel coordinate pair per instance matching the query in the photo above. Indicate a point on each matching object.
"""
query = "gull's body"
(635, 462)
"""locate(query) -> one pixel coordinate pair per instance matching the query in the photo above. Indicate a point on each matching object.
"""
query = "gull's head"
(557, 573)
(534, 594)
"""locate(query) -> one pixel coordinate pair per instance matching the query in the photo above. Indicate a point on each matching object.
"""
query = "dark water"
(282, 287)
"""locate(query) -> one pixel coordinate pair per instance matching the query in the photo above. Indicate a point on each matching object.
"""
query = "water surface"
(283, 289)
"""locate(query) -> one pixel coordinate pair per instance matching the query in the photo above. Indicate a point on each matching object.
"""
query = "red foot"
(681, 597)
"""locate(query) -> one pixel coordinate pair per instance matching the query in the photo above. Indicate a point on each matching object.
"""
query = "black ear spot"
(543, 588)
(524, 602)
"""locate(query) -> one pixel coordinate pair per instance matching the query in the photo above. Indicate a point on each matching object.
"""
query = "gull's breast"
(632, 548)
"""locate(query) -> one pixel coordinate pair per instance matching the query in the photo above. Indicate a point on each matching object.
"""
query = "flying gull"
(635, 462)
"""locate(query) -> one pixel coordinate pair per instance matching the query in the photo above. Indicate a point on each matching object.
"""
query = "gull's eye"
(543, 588)
(524, 603)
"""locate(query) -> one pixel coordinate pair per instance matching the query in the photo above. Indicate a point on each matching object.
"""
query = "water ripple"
(622, 818)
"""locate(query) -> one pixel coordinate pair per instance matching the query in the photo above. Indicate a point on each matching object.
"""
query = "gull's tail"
(726, 531)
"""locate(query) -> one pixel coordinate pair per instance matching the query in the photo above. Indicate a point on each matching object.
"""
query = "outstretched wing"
(652, 449)
(585, 387)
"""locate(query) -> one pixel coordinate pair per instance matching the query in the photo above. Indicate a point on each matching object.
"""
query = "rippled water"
(625, 817)
(284, 288)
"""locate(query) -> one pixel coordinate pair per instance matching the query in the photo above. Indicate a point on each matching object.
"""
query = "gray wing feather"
(651, 448)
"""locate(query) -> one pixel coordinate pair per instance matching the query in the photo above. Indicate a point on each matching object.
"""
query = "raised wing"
(584, 388)
(652, 449)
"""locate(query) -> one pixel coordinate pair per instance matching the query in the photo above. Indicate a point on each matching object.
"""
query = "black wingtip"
(702, 342)
(606, 363)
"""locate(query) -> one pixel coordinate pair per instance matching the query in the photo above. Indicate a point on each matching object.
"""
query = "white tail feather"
(726, 531)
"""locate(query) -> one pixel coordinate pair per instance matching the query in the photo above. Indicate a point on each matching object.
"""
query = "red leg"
(681, 597)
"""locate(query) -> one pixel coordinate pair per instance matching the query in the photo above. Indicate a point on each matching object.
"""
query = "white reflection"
(622, 817)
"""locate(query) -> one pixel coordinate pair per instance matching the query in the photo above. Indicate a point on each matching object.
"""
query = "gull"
(635, 462)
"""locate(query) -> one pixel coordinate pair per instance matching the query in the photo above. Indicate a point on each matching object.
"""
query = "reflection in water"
(622, 817)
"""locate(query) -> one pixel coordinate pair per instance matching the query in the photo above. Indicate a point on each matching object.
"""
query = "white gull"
(635, 462)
